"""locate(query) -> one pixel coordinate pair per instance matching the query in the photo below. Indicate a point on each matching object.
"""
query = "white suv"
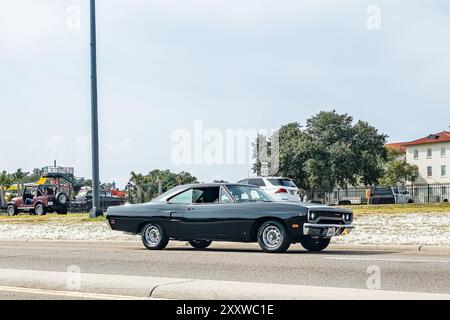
(283, 189)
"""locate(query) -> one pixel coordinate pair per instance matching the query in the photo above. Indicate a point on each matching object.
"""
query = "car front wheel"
(315, 244)
(200, 244)
(154, 237)
(273, 237)
(12, 211)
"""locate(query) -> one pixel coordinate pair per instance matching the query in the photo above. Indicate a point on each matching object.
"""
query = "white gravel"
(52, 230)
(386, 229)
(400, 229)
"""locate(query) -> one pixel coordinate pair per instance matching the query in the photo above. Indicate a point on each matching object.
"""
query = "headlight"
(348, 217)
(312, 216)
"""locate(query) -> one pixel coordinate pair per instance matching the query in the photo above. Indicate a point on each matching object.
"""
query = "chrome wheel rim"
(152, 236)
(11, 210)
(272, 236)
(39, 210)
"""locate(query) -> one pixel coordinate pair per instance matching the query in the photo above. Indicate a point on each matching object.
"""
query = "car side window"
(184, 197)
(257, 182)
(254, 194)
(224, 197)
(206, 195)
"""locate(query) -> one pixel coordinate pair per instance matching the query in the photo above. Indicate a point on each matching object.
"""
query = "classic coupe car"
(202, 213)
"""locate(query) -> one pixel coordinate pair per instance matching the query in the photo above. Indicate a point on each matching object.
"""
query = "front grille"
(323, 216)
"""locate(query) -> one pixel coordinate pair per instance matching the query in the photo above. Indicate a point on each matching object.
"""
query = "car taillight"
(281, 190)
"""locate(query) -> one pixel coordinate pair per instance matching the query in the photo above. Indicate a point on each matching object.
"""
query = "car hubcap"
(39, 210)
(11, 211)
(271, 236)
(152, 235)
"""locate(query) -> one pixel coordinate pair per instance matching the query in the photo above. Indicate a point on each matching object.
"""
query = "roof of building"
(397, 146)
(443, 136)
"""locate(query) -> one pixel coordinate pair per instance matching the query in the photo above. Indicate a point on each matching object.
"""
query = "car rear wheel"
(315, 244)
(40, 210)
(154, 237)
(200, 244)
(11, 210)
(273, 237)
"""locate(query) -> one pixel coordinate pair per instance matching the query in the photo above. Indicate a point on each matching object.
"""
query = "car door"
(175, 208)
(211, 215)
(29, 197)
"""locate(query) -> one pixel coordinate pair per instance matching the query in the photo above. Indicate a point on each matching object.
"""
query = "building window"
(416, 154)
(443, 152)
(443, 171)
(429, 172)
(429, 153)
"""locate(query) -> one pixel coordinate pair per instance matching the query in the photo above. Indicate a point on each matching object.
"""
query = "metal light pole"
(96, 211)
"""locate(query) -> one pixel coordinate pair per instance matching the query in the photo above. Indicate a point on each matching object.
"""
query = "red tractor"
(38, 200)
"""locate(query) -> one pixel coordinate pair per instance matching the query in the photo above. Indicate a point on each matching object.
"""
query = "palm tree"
(137, 184)
(18, 177)
(5, 182)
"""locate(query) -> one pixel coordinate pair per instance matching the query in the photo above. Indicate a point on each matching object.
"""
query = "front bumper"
(326, 230)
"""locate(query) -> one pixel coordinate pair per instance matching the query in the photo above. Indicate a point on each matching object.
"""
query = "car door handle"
(172, 213)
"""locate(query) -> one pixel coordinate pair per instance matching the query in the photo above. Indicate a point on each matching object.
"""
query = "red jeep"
(39, 200)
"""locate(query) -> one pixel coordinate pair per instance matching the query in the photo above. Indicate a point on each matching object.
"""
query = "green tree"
(5, 182)
(18, 178)
(143, 188)
(397, 170)
(331, 151)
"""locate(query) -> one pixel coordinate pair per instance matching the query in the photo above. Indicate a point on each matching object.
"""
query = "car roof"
(213, 184)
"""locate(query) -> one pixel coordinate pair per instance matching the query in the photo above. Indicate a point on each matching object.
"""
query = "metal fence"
(429, 193)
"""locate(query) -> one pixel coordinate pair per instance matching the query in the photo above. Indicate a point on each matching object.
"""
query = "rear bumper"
(322, 230)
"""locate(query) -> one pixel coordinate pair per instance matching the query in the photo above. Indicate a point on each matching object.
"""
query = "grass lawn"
(50, 217)
(358, 210)
(400, 208)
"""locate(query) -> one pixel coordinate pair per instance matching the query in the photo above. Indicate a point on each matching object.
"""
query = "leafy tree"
(292, 153)
(331, 151)
(143, 188)
(18, 178)
(397, 170)
(5, 182)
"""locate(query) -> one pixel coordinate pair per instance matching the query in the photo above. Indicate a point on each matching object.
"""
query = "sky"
(167, 68)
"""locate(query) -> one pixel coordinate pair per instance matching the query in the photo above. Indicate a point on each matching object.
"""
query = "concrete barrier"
(176, 288)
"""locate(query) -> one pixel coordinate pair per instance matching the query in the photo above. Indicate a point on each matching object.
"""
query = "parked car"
(83, 201)
(390, 195)
(202, 213)
(279, 188)
(39, 199)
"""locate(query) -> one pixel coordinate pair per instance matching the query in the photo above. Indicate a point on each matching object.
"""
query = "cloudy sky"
(248, 64)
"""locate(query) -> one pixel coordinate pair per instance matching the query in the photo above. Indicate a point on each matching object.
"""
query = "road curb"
(180, 289)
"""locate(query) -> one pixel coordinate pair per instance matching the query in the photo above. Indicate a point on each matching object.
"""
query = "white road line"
(386, 259)
(71, 294)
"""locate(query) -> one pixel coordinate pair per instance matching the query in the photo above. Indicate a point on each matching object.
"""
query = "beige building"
(431, 155)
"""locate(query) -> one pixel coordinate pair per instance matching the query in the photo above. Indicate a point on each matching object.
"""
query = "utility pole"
(96, 211)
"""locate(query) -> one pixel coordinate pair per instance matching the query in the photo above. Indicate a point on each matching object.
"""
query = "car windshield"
(248, 193)
(284, 182)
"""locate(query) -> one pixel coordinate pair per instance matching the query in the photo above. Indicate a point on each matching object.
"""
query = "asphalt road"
(351, 267)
